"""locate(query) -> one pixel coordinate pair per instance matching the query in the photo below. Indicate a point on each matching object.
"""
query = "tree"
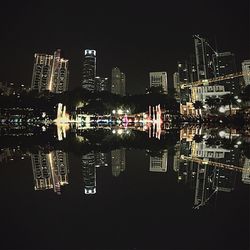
(230, 100)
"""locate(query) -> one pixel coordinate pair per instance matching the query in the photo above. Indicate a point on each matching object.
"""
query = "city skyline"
(146, 53)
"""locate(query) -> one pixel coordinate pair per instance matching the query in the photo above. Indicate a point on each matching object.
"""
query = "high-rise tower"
(89, 70)
(50, 72)
(118, 85)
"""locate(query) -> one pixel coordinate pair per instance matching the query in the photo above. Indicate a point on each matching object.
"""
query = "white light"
(43, 128)
(119, 111)
(119, 131)
(113, 131)
(222, 109)
(222, 133)
(113, 111)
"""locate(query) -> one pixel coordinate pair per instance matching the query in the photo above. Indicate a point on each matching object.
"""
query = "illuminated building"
(176, 81)
(203, 150)
(89, 70)
(183, 76)
(50, 72)
(118, 84)
(100, 159)
(118, 161)
(159, 79)
(101, 84)
(246, 172)
(176, 161)
(159, 163)
(224, 64)
(50, 170)
(246, 71)
(205, 69)
(201, 93)
(89, 173)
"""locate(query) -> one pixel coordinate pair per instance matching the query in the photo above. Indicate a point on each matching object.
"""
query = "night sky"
(138, 37)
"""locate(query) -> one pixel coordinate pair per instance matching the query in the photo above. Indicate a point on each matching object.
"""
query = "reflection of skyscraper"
(246, 171)
(118, 161)
(176, 161)
(100, 159)
(89, 173)
(246, 71)
(50, 170)
(118, 85)
(89, 70)
(50, 72)
(159, 163)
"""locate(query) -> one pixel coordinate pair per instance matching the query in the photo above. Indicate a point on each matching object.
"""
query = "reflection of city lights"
(222, 133)
(222, 109)
(179, 177)
(119, 131)
(113, 111)
(43, 128)
(113, 131)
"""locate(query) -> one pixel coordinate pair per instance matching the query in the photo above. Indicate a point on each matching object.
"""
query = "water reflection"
(207, 160)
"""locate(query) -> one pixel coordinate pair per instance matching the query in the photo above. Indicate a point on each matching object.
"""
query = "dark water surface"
(136, 194)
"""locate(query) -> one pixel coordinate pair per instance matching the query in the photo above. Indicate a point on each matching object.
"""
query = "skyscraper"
(101, 84)
(89, 70)
(224, 64)
(50, 72)
(118, 85)
(118, 161)
(246, 71)
(159, 79)
(176, 81)
(203, 52)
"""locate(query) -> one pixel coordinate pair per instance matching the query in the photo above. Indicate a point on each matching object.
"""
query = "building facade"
(246, 71)
(159, 79)
(50, 171)
(101, 84)
(50, 72)
(159, 163)
(118, 84)
(201, 93)
(118, 161)
(89, 70)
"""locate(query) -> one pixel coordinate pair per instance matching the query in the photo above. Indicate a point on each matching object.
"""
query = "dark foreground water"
(120, 189)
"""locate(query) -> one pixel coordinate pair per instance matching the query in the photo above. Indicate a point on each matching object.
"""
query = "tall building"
(50, 72)
(50, 170)
(89, 70)
(176, 81)
(159, 79)
(183, 76)
(118, 85)
(203, 52)
(224, 64)
(101, 84)
(118, 161)
(89, 173)
(159, 163)
(246, 71)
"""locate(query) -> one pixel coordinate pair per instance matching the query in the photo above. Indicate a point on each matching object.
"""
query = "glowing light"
(120, 112)
(120, 131)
